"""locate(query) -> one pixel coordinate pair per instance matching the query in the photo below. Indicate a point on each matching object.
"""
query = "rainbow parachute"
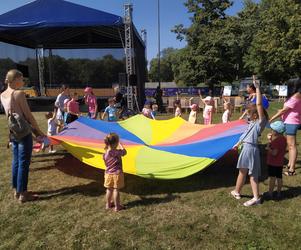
(163, 149)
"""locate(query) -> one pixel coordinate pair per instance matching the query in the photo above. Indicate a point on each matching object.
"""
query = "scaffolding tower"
(129, 55)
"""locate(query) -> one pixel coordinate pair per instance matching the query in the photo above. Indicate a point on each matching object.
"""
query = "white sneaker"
(235, 195)
(52, 151)
(252, 202)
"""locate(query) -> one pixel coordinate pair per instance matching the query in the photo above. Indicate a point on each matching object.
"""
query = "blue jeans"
(20, 165)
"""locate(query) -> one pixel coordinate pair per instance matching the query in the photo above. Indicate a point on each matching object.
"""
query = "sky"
(145, 14)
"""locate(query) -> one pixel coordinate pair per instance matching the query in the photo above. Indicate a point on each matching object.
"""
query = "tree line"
(99, 73)
(263, 38)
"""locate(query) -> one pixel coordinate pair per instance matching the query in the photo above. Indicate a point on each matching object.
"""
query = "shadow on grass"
(220, 174)
(149, 201)
(291, 192)
(92, 189)
(223, 173)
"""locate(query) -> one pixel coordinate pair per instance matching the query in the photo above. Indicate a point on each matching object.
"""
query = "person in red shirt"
(276, 149)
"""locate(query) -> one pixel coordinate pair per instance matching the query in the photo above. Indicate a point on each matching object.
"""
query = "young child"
(114, 179)
(249, 158)
(146, 111)
(73, 109)
(276, 150)
(178, 111)
(208, 110)
(52, 126)
(91, 101)
(193, 113)
(227, 113)
(154, 111)
(110, 111)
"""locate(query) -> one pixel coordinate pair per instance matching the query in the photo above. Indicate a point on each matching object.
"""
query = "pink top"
(91, 102)
(113, 161)
(293, 115)
(73, 106)
(207, 111)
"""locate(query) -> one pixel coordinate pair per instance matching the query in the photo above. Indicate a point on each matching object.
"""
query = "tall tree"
(211, 52)
(275, 51)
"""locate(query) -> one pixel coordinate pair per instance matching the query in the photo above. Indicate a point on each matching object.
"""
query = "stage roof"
(62, 24)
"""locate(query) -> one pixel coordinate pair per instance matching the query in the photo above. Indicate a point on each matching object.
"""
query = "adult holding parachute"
(291, 116)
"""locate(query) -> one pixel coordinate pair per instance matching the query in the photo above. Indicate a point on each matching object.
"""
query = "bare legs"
(241, 178)
(109, 195)
(116, 198)
(113, 194)
(272, 185)
(292, 152)
(255, 187)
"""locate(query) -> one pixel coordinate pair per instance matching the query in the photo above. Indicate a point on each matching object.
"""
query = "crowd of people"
(66, 110)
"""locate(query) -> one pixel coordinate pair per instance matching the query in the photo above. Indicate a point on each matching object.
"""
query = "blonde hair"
(111, 140)
(12, 75)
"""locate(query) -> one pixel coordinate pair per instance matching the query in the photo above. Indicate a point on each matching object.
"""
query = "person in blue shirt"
(110, 111)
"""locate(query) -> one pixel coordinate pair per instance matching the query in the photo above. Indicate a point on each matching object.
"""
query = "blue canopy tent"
(59, 24)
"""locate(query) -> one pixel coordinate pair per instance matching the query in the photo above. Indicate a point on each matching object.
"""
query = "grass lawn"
(190, 213)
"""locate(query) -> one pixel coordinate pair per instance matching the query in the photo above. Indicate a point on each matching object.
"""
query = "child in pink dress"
(208, 110)
(91, 101)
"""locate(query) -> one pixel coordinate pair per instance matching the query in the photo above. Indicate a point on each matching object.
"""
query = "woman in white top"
(13, 100)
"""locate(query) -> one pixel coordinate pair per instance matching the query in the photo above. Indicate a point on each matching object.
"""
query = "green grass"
(191, 213)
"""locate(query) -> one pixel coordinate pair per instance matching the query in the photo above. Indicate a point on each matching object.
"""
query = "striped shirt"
(113, 161)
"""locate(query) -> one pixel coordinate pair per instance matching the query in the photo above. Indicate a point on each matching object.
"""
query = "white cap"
(208, 98)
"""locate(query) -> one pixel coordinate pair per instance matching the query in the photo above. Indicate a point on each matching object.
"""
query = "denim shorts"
(291, 129)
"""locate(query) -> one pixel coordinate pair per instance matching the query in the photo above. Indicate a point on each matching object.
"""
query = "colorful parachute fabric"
(163, 149)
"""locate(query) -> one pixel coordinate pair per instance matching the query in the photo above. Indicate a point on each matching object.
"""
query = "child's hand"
(235, 147)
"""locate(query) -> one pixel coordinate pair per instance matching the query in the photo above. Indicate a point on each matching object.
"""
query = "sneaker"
(235, 195)
(252, 202)
(52, 151)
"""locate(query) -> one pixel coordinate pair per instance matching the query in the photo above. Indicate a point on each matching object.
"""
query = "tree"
(275, 51)
(211, 54)
(166, 66)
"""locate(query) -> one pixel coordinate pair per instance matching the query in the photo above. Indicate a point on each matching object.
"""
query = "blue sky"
(145, 17)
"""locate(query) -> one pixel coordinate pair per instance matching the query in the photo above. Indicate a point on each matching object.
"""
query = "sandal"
(290, 173)
(235, 195)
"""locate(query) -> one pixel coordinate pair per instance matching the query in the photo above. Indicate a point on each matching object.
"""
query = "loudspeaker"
(133, 80)
(23, 69)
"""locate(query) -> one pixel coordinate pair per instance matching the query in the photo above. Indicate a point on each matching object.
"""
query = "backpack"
(17, 125)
